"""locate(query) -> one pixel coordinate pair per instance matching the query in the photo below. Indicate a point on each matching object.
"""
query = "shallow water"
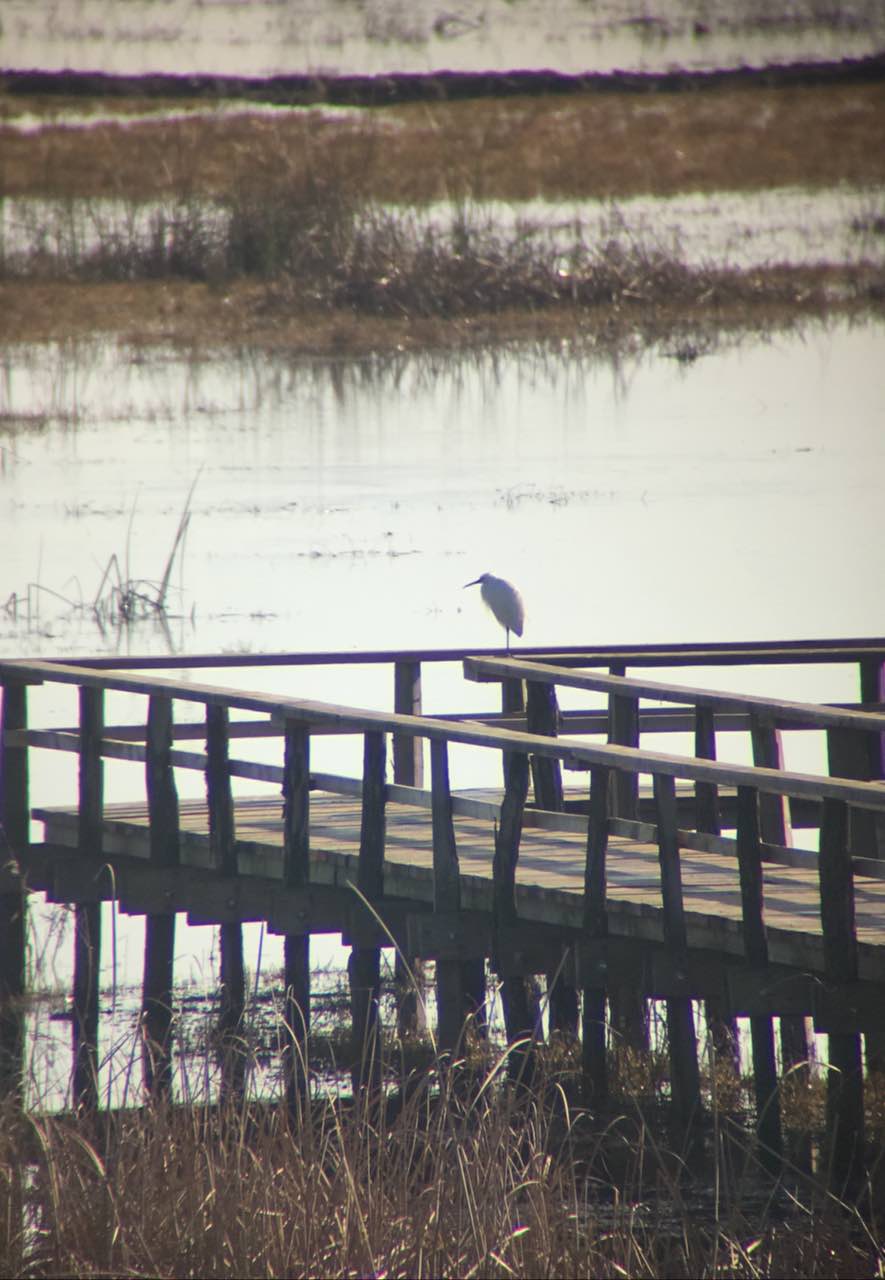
(376, 37)
(342, 505)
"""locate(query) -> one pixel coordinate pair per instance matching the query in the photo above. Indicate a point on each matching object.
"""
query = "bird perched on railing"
(504, 601)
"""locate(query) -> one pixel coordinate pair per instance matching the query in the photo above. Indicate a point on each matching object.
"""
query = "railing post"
(845, 1113)
(706, 794)
(364, 966)
(159, 932)
(14, 838)
(684, 1072)
(87, 915)
(594, 1065)
(623, 731)
(223, 852)
(296, 875)
(768, 1119)
(408, 770)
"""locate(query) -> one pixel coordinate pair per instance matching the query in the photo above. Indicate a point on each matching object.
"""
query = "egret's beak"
(474, 583)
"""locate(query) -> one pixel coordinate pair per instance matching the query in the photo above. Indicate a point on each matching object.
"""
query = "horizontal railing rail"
(573, 752)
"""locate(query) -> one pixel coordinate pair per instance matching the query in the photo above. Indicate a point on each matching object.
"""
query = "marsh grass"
(452, 1172)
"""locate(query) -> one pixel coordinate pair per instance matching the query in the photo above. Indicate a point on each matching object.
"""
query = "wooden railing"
(850, 813)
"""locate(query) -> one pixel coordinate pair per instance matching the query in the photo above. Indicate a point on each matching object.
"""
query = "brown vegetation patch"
(585, 145)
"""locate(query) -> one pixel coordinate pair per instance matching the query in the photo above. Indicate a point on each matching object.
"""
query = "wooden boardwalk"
(549, 875)
(694, 892)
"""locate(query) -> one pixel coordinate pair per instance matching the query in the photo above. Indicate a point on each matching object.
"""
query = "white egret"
(504, 601)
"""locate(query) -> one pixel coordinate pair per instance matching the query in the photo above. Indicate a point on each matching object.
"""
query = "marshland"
(275, 375)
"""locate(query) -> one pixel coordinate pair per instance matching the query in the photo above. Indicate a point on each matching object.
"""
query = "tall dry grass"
(456, 1173)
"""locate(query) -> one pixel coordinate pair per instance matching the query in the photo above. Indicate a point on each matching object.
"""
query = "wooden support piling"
(408, 769)
(159, 935)
(542, 717)
(845, 1106)
(364, 967)
(768, 1118)
(629, 1008)
(222, 845)
(14, 836)
(595, 977)
(684, 1072)
(723, 1029)
(450, 1002)
(296, 946)
(872, 690)
(775, 828)
(87, 915)
(519, 1018)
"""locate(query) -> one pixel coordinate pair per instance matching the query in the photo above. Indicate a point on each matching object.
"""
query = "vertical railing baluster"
(223, 853)
(706, 793)
(14, 838)
(845, 1105)
(365, 962)
(296, 875)
(684, 1072)
(87, 915)
(159, 933)
(595, 922)
(623, 731)
(756, 950)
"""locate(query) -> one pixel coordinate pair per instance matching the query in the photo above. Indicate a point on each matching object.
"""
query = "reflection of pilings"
(14, 830)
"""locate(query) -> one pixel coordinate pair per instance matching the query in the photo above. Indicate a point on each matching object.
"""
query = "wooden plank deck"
(550, 874)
